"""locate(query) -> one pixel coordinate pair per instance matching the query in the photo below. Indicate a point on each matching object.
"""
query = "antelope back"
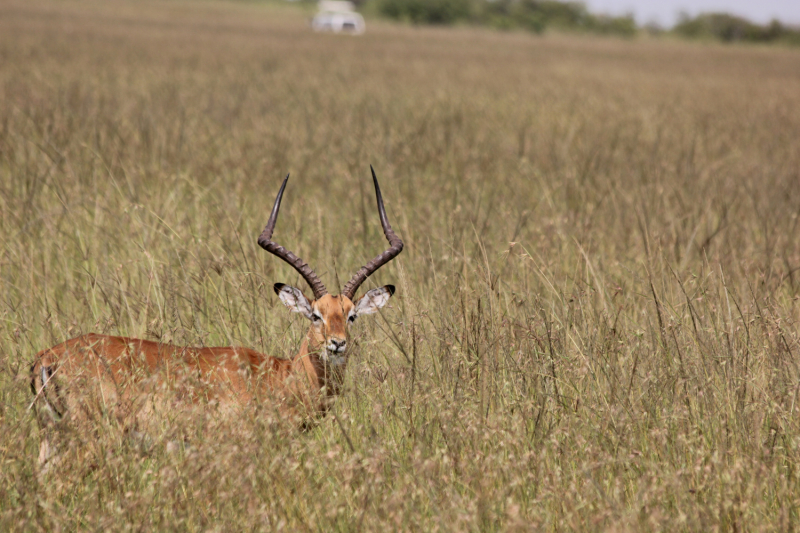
(97, 375)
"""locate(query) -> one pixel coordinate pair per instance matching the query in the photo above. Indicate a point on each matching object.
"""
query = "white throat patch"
(333, 359)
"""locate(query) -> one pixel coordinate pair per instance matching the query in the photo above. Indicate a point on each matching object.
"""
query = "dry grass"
(596, 325)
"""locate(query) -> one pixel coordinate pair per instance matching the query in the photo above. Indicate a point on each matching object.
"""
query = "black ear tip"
(390, 288)
(277, 287)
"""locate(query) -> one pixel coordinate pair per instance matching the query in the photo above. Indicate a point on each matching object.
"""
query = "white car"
(338, 22)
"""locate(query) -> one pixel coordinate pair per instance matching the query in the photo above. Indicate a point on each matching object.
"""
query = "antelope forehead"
(332, 307)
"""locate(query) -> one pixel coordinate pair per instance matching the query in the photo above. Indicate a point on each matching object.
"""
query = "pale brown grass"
(596, 319)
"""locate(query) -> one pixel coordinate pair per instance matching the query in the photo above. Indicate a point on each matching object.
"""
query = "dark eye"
(316, 318)
(352, 318)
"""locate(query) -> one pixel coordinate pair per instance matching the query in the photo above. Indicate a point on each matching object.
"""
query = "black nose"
(338, 344)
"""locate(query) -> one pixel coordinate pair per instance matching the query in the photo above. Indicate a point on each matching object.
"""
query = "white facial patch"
(333, 359)
(335, 346)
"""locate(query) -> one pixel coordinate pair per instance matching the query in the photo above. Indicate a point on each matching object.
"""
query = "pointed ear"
(294, 299)
(373, 300)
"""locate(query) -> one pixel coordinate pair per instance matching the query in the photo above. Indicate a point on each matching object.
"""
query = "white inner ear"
(372, 301)
(295, 300)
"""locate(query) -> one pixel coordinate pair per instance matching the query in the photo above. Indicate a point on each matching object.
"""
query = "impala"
(128, 377)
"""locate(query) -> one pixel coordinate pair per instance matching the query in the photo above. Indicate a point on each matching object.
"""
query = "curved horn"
(265, 241)
(395, 247)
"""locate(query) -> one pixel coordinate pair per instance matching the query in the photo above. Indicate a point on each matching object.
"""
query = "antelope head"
(331, 315)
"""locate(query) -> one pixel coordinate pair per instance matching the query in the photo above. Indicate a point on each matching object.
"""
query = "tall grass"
(596, 324)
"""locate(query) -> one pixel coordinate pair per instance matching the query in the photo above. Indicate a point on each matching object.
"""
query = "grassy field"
(596, 323)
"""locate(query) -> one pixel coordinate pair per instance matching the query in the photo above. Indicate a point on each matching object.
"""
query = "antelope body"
(128, 378)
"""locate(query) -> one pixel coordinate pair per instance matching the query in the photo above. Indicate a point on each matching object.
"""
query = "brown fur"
(126, 380)
(121, 375)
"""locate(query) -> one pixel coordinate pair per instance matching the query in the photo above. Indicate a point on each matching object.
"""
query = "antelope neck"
(320, 374)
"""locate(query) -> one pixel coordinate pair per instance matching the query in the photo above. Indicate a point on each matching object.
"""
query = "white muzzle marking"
(335, 346)
(334, 354)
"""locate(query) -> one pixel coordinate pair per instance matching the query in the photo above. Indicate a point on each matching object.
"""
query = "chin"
(333, 358)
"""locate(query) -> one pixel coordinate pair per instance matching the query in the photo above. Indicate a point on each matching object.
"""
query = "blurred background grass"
(596, 319)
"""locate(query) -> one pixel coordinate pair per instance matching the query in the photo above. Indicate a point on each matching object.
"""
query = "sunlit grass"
(596, 319)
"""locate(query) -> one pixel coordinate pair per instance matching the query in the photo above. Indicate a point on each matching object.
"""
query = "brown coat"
(128, 378)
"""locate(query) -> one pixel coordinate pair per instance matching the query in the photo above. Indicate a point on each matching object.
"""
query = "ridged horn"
(395, 247)
(266, 242)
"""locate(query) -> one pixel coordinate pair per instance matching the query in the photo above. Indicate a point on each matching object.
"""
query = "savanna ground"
(596, 323)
